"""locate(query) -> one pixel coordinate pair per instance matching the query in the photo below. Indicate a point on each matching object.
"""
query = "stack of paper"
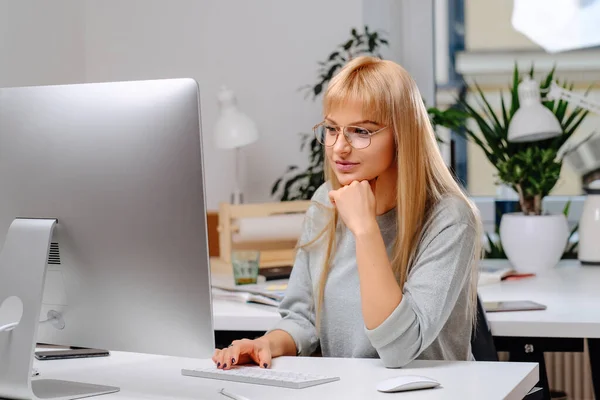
(489, 274)
(243, 297)
(270, 293)
(497, 270)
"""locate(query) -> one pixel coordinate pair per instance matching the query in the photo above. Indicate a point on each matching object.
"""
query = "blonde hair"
(391, 97)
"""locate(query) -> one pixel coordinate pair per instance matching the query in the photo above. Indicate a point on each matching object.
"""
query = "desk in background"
(571, 293)
(142, 376)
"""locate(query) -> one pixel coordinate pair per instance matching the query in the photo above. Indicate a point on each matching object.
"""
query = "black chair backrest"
(482, 341)
(483, 348)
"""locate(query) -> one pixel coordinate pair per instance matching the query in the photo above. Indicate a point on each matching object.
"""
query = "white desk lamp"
(233, 130)
(583, 157)
(532, 121)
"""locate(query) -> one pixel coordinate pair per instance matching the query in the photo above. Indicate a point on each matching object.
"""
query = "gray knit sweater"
(431, 322)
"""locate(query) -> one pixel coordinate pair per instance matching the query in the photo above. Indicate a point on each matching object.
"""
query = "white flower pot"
(533, 243)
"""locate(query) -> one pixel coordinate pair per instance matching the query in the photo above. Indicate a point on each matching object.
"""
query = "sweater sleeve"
(439, 274)
(297, 308)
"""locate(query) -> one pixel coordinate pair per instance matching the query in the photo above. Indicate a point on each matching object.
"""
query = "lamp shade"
(532, 121)
(233, 128)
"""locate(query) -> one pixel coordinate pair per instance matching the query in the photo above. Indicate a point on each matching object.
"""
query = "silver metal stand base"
(65, 390)
(23, 262)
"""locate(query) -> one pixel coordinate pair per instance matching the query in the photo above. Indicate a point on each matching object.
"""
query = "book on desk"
(244, 297)
(495, 271)
(269, 292)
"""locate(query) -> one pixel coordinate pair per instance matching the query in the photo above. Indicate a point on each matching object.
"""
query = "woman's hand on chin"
(357, 205)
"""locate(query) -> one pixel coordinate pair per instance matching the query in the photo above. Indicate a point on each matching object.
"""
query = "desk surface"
(143, 376)
(570, 291)
(236, 316)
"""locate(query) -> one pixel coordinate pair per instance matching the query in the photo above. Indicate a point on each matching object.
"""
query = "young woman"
(387, 262)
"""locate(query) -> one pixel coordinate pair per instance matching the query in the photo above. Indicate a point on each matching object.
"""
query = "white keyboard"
(261, 376)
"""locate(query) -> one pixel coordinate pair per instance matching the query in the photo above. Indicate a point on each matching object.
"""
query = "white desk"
(154, 377)
(236, 316)
(570, 291)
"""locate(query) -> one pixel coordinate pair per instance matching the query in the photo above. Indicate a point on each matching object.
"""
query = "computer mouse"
(406, 382)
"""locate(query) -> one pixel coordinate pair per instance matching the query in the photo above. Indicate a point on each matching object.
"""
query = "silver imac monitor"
(118, 166)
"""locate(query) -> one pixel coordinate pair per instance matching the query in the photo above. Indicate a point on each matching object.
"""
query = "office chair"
(482, 341)
(483, 349)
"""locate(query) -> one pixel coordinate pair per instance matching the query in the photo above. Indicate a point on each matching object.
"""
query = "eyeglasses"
(358, 137)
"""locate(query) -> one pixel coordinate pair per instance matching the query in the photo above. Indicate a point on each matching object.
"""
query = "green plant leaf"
(549, 78)
(493, 144)
(497, 125)
(496, 250)
(578, 120)
(275, 186)
(514, 105)
(573, 230)
(505, 117)
(288, 185)
(372, 42)
(318, 89)
(560, 110)
(332, 70)
(571, 118)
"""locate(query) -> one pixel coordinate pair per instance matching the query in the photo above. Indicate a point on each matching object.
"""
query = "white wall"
(265, 50)
(41, 42)
(410, 29)
(262, 49)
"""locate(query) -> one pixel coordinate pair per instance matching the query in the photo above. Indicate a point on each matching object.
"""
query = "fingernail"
(224, 365)
(232, 361)
(218, 365)
(265, 365)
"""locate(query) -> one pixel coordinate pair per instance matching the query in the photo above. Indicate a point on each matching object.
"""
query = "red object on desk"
(515, 277)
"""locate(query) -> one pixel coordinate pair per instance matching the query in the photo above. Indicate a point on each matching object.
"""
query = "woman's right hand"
(245, 351)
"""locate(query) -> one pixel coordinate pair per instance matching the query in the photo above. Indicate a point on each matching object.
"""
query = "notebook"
(244, 297)
(269, 293)
(495, 271)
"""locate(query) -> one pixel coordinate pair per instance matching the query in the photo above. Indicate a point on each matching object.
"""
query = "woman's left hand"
(356, 205)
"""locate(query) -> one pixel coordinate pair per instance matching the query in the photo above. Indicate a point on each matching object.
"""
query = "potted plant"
(531, 238)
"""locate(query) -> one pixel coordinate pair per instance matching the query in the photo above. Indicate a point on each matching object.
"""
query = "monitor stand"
(23, 263)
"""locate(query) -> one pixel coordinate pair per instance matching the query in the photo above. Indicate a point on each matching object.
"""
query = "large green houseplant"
(532, 169)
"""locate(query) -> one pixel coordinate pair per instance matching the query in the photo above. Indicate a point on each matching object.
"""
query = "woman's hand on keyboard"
(244, 351)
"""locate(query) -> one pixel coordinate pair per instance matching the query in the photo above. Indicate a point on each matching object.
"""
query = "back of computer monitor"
(119, 165)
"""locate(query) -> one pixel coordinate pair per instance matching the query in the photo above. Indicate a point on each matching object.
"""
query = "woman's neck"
(386, 191)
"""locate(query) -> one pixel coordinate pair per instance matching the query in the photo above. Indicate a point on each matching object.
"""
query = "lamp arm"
(558, 93)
